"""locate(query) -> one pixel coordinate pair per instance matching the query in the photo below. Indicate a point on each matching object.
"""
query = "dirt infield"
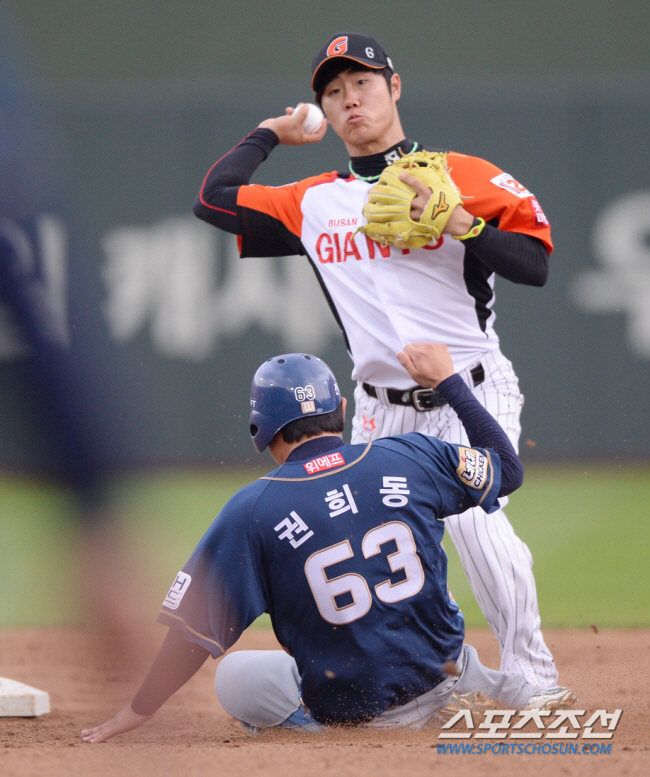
(192, 735)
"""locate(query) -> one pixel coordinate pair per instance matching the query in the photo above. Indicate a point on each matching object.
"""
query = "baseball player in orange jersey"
(385, 297)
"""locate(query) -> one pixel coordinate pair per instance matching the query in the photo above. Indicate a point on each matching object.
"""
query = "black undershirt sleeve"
(216, 202)
(483, 431)
(177, 661)
(512, 255)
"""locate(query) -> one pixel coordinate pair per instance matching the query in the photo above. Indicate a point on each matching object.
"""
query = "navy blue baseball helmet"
(288, 387)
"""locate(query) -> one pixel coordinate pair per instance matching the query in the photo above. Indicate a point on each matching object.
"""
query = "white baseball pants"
(261, 688)
(498, 565)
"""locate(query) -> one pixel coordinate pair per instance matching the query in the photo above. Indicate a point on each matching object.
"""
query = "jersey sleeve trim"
(164, 615)
(323, 474)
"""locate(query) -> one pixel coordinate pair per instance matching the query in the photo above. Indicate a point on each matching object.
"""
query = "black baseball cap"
(354, 46)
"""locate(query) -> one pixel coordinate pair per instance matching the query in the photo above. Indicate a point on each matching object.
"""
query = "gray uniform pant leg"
(262, 688)
(259, 687)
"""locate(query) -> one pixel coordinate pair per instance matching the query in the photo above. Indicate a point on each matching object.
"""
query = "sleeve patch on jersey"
(540, 216)
(473, 468)
(177, 591)
(507, 182)
(329, 461)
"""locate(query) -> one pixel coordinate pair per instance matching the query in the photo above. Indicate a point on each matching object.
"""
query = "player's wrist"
(448, 384)
(474, 230)
(270, 124)
(458, 222)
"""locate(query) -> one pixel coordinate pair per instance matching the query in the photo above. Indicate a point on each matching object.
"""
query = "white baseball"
(313, 119)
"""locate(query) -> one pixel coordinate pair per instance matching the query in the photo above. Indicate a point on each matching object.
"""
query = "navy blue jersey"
(342, 547)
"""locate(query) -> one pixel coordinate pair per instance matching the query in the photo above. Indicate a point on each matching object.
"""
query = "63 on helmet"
(287, 387)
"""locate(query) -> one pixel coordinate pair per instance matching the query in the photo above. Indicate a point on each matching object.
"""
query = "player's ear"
(396, 86)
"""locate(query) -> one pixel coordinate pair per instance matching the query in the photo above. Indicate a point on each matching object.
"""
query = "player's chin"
(359, 134)
(357, 127)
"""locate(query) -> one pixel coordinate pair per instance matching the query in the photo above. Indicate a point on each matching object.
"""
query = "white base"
(18, 700)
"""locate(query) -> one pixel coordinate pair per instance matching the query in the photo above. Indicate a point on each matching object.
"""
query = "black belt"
(421, 399)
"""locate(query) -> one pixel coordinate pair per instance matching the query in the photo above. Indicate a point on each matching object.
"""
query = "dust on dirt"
(89, 680)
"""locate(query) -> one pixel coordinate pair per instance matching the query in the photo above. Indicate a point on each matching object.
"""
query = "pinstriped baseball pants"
(498, 564)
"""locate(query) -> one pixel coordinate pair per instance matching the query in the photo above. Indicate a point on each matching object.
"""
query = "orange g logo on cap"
(354, 46)
(338, 46)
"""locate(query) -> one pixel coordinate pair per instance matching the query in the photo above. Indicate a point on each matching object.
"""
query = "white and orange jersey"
(384, 297)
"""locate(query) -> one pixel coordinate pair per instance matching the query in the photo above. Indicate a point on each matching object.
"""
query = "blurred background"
(112, 112)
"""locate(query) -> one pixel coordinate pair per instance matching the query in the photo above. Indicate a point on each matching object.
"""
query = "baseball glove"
(388, 209)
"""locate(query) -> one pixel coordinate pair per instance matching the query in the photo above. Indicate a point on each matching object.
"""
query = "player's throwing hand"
(289, 128)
